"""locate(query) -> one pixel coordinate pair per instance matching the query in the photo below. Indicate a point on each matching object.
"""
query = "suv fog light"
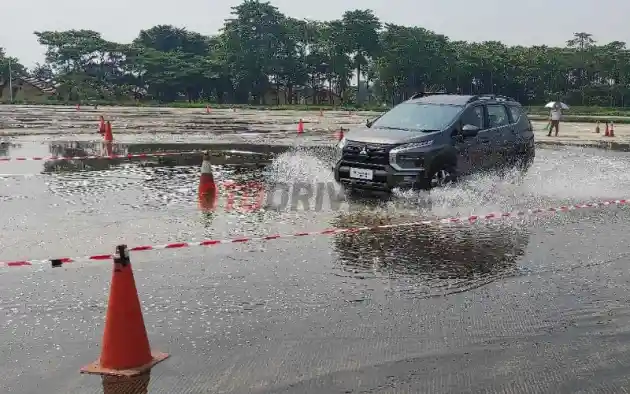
(405, 161)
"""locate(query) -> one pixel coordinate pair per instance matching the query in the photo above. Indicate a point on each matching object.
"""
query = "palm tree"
(581, 41)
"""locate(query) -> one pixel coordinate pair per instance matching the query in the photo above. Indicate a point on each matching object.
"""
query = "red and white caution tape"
(57, 262)
(110, 157)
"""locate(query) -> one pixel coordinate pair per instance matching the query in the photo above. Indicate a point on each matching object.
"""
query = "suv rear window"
(497, 115)
(516, 112)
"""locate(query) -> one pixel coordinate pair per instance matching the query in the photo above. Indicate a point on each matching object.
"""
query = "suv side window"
(497, 116)
(473, 116)
(516, 113)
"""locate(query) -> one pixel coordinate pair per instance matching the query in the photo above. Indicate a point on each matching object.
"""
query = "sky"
(531, 22)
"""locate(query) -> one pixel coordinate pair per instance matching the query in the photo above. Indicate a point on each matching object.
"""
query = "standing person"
(556, 114)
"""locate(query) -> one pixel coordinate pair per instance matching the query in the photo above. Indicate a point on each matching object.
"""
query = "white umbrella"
(552, 103)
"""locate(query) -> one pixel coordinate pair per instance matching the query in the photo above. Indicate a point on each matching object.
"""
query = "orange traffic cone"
(339, 134)
(207, 186)
(300, 128)
(109, 137)
(597, 128)
(125, 350)
(78, 107)
(207, 109)
(101, 127)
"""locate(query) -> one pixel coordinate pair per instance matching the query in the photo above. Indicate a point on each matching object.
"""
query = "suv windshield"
(418, 117)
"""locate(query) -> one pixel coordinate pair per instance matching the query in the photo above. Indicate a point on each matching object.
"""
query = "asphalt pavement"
(536, 304)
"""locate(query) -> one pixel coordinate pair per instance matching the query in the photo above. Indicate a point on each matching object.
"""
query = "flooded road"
(536, 304)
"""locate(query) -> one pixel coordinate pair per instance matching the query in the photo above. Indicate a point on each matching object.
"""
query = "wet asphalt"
(531, 305)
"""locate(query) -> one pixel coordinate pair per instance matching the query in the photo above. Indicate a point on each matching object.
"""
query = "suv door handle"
(485, 140)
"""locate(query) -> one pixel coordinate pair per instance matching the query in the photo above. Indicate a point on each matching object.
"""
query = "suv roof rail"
(422, 94)
(496, 97)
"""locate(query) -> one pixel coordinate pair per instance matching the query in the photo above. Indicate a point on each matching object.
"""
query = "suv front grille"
(375, 154)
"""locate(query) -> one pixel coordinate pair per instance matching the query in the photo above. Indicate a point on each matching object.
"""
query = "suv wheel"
(445, 175)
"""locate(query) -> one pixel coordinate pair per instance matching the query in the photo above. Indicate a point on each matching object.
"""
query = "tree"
(42, 72)
(360, 30)
(581, 41)
(260, 51)
(10, 67)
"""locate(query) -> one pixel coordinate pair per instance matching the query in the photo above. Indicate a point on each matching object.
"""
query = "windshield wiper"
(405, 129)
(394, 128)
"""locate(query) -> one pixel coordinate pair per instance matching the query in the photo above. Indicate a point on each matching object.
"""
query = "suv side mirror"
(470, 130)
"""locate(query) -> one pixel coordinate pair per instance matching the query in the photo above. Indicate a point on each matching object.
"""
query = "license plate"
(361, 173)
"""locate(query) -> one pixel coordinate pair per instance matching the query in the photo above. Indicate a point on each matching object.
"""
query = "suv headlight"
(338, 150)
(402, 157)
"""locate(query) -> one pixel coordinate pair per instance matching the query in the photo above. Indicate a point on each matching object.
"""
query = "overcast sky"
(513, 22)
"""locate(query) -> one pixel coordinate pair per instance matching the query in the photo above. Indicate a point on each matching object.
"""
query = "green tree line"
(262, 56)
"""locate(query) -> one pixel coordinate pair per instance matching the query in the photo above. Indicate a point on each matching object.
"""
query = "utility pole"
(10, 82)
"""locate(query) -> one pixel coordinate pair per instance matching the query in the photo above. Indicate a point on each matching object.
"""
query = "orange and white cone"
(300, 127)
(207, 186)
(339, 134)
(108, 137)
(125, 349)
(101, 126)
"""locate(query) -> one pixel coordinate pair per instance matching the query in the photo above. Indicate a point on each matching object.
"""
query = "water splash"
(302, 164)
(556, 177)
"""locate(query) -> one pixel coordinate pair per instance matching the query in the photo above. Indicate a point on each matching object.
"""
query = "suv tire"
(442, 175)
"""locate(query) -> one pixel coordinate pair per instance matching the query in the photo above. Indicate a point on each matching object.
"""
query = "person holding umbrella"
(555, 116)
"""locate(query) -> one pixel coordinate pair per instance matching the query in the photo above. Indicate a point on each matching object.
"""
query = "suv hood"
(385, 136)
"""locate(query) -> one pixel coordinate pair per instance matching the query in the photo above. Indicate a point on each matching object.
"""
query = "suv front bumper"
(384, 178)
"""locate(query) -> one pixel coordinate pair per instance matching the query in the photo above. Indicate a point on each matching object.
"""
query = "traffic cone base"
(97, 369)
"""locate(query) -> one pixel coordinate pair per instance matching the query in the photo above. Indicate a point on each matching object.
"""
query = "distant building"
(28, 89)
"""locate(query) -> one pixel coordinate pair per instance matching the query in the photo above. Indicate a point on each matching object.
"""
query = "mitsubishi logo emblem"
(363, 151)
